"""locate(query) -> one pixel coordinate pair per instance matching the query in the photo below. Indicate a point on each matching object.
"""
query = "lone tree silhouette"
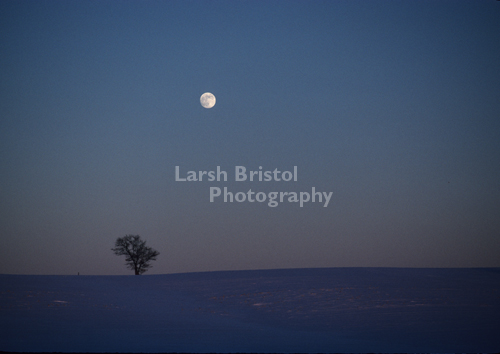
(137, 255)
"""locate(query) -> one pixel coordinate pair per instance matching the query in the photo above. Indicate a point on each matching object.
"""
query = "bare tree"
(137, 255)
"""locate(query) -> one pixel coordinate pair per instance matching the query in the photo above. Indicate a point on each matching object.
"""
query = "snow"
(288, 310)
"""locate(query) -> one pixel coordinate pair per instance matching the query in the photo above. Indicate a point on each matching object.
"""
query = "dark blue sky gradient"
(391, 105)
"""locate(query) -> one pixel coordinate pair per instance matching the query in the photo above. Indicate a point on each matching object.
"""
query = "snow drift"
(289, 310)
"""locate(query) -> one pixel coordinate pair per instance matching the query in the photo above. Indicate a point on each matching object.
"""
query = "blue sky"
(390, 105)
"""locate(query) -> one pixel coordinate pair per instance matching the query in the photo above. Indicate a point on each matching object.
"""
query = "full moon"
(207, 100)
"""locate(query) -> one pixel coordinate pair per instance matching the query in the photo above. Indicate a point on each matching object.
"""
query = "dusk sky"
(392, 106)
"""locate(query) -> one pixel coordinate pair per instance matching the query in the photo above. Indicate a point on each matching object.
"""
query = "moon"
(207, 100)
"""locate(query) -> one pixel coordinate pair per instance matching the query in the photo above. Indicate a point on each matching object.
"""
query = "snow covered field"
(291, 310)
